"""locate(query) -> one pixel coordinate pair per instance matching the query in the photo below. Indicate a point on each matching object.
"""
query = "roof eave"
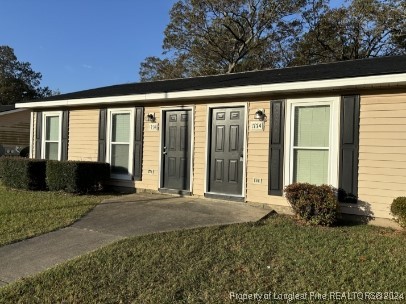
(12, 111)
(363, 82)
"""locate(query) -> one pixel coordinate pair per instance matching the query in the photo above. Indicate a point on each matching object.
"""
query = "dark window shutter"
(101, 156)
(65, 135)
(349, 147)
(38, 135)
(138, 142)
(276, 142)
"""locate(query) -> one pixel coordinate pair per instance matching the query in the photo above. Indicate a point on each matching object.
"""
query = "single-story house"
(14, 130)
(243, 136)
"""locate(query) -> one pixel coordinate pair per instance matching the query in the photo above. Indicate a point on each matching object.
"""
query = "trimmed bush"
(76, 176)
(398, 209)
(23, 173)
(315, 204)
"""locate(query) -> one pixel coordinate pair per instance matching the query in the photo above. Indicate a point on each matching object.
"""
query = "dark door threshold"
(175, 191)
(225, 197)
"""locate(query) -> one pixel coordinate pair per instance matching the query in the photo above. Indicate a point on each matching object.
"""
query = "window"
(51, 143)
(120, 142)
(312, 141)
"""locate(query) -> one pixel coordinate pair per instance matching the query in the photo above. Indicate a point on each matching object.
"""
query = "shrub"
(23, 173)
(315, 204)
(398, 209)
(76, 176)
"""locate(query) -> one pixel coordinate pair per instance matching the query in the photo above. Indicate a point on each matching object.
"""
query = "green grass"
(205, 265)
(24, 214)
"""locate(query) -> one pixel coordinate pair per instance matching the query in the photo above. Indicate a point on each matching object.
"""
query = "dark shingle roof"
(343, 69)
(6, 108)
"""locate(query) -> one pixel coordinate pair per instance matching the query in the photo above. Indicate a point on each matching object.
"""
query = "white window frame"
(334, 136)
(110, 113)
(43, 135)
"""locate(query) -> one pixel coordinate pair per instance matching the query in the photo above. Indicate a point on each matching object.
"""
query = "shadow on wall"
(358, 213)
(352, 209)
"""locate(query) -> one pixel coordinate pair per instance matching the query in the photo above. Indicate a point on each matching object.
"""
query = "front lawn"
(24, 214)
(276, 257)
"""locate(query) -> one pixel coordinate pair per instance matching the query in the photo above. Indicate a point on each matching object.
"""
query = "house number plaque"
(257, 126)
(154, 127)
(257, 181)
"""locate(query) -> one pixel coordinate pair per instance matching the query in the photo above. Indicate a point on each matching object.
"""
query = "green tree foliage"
(206, 37)
(224, 36)
(364, 28)
(154, 68)
(398, 19)
(18, 82)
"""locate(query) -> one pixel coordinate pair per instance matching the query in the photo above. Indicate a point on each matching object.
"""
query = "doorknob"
(164, 153)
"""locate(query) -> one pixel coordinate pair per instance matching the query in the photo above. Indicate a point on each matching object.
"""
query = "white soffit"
(286, 87)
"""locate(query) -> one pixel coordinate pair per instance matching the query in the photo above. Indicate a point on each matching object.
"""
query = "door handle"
(164, 153)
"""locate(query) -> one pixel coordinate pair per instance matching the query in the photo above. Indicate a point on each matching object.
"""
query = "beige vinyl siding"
(83, 134)
(150, 158)
(382, 153)
(257, 159)
(200, 146)
(15, 128)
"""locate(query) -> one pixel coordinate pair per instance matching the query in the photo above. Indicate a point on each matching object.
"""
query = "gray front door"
(226, 151)
(176, 150)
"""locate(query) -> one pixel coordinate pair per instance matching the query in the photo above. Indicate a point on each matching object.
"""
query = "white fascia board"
(365, 81)
(299, 86)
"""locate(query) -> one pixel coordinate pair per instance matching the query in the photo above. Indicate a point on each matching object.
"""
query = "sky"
(84, 44)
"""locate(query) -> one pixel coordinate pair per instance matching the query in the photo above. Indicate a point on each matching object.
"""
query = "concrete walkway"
(115, 219)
